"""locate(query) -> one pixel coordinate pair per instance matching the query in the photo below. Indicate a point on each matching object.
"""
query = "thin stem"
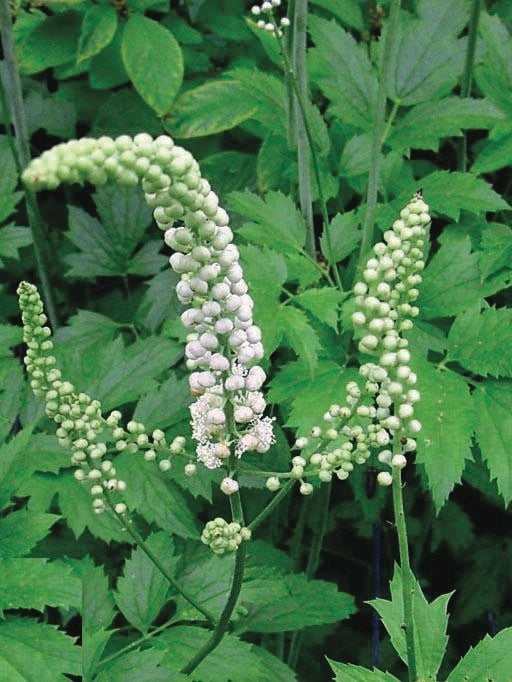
(378, 130)
(271, 505)
(467, 75)
(22, 157)
(377, 560)
(407, 576)
(127, 525)
(312, 564)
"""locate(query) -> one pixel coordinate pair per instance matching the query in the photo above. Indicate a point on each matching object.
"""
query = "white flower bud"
(398, 461)
(273, 483)
(229, 486)
(384, 478)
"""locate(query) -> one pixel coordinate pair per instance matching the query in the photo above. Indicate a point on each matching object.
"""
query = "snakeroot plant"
(258, 448)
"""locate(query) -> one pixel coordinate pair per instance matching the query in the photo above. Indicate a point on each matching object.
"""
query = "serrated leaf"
(496, 244)
(12, 385)
(57, 117)
(36, 651)
(428, 619)
(426, 58)
(99, 26)
(456, 192)
(98, 611)
(482, 341)
(153, 60)
(14, 469)
(13, 238)
(494, 154)
(494, 75)
(345, 235)
(452, 281)
(159, 301)
(343, 71)
(142, 589)
(137, 666)
(301, 336)
(36, 583)
(21, 530)
(292, 602)
(446, 413)
(489, 660)
(51, 43)
(346, 672)
(165, 406)
(493, 404)
(355, 157)
(211, 108)
(322, 303)
(228, 171)
(427, 123)
(348, 12)
(8, 198)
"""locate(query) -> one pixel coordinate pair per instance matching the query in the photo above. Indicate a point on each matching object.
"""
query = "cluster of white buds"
(381, 414)
(223, 342)
(268, 21)
(222, 536)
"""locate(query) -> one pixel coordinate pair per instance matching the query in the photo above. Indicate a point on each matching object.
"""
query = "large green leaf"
(346, 672)
(446, 413)
(52, 42)
(138, 666)
(98, 611)
(210, 108)
(493, 405)
(21, 530)
(429, 620)
(153, 60)
(165, 406)
(107, 69)
(482, 341)
(494, 74)
(426, 58)
(496, 244)
(98, 29)
(488, 660)
(344, 73)
(36, 651)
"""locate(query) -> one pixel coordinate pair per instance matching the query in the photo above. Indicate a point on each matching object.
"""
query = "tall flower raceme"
(223, 345)
(380, 415)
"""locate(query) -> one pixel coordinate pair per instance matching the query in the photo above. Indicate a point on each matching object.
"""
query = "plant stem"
(467, 75)
(237, 514)
(127, 525)
(313, 559)
(378, 132)
(377, 560)
(271, 505)
(407, 576)
(22, 157)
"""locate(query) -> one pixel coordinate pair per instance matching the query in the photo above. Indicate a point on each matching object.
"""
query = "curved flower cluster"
(268, 22)
(381, 414)
(222, 536)
(223, 341)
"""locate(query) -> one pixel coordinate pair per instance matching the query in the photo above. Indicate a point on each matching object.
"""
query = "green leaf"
(8, 200)
(21, 530)
(493, 405)
(452, 281)
(98, 611)
(107, 68)
(124, 113)
(482, 341)
(496, 245)
(13, 238)
(494, 74)
(345, 233)
(292, 602)
(427, 123)
(142, 589)
(57, 117)
(494, 154)
(85, 330)
(454, 527)
(153, 60)
(427, 59)
(36, 583)
(210, 108)
(158, 500)
(98, 29)
(36, 651)
(489, 660)
(355, 157)
(349, 12)
(137, 666)
(322, 303)
(165, 406)
(12, 385)
(159, 301)
(446, 413)
(52, 42)
(14, 468)
(301, 336)
(343, 71)
(229, 171)
(429, 621)
(453, 192)
(346, 672)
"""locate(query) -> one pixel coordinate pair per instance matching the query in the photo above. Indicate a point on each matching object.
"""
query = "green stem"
(127, 525)
(389, 122)
(22, 156)
(407, 576)
(378, 131)
(271, 505)
(313, 559)
(467, 75)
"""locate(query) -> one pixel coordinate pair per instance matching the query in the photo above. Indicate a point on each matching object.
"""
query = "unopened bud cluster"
(222, 536)
(268, 21)
(380, 414)
(223, 342)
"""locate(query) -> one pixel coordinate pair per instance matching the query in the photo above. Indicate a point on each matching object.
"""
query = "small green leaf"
(322, 303)
(52, 43)
(346, 672)
(21, 530)
(496, 153)
(493, 404)
(98, 28)
(13, 238)
(142, 589)
(153, 60)
(489, 660)
(210, 108)
(482, 341)
(345, 235)
(301, 336)
(446, 413)
(429, 621)
(36, 651)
